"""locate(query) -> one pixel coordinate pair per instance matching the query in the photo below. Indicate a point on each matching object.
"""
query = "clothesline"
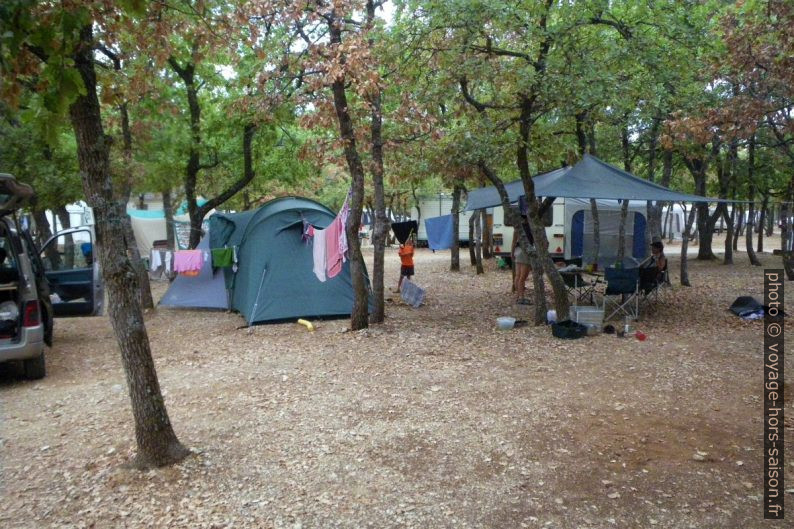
(189, 262)
(329, 245)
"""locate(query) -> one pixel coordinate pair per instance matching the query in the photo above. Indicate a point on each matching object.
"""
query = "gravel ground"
(433, 419)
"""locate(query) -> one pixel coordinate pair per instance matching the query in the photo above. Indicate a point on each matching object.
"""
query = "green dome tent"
(274, 280)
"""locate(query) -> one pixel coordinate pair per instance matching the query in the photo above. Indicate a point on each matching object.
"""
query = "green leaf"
(133, 7)
(73, 82)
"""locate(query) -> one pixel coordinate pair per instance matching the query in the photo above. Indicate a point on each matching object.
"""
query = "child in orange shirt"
(406, 253)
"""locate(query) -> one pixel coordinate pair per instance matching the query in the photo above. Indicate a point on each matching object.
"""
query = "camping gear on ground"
(439, 232)
(592, 329)
(747, 308)
(207, 290)
(640, 336)
(588, 315)
(568, 330)
(551, 316)
(412, 293)
(275, 279)
(306, 324)
(505, 322)
(403, 230)
(622, 294)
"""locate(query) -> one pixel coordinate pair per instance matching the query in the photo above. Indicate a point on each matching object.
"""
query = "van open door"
(72, 272)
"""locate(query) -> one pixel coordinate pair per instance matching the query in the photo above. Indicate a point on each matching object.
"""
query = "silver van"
(61, 279)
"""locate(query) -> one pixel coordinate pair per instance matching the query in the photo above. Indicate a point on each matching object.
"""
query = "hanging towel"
(168, 264)
(188, 261)
(343, 216)
(222, 257)
(403, 229)
(155, 260)
(439, 232)
(318, 254)
(156, 264)
(333, 253)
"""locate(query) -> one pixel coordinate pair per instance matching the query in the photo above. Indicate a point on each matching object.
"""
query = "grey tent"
(204, 291)
(590, 178)
(275, 279)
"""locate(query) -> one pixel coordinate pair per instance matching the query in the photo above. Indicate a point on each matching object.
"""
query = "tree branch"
(480, 106)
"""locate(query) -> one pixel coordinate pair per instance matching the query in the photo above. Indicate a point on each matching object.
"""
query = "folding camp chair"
(579, 288)
(651, 283)
(622, 282)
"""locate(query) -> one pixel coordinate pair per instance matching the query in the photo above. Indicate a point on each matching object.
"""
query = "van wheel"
(34, 367)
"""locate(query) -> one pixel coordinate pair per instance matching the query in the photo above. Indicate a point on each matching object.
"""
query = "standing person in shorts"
(406, 253)
(521, 262)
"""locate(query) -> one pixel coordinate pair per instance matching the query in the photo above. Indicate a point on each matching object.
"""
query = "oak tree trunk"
(770, 220)
(381, 221)
(478, 215)
(454, 265)
(748, 236)
(43, 230)
(472, 251)
(581, 137)
(544, 262)
(762, 222)
(126, 189)
(624, 213)
(739, 227)
(596, 230)
(359, 317)
(728, 257)
(156, 441)
(487, 239)
(512, 218)
(68, 240)
(380, 224)
(197, 213)
(786, 249)
(685, 246)
(653, 229)
(147, 302)
(624, 205)
(168, 210)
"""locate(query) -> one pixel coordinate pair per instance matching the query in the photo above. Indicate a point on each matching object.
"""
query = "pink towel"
(188, 261)
(333, 251)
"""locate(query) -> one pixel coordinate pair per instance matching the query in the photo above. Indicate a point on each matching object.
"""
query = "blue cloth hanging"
(439, 232)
